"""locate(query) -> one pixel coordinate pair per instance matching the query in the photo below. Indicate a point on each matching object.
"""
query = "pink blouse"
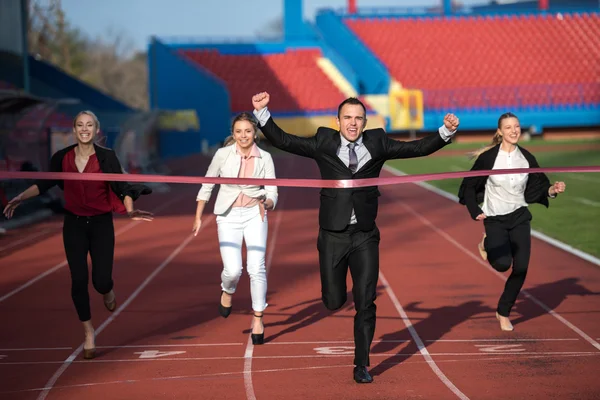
(246, 171)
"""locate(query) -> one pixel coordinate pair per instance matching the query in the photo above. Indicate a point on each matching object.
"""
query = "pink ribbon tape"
(309, 183)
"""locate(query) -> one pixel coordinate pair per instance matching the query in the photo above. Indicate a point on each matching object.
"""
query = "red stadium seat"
(524, 55)
(293, 78)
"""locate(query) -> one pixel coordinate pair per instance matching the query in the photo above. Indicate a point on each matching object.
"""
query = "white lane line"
(38, 349)
(539, 235)
(422, 349)
(335, 342)
(204, 376)
(64, 263)
(304, 356)
(499, 275)
(191, 345)
(501, 340)
(146, 346)
(110, 319)
(249, 346)
(425, 340)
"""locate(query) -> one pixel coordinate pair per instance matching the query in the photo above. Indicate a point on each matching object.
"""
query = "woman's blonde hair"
(497, 139)
(91, 114)
(245, 116)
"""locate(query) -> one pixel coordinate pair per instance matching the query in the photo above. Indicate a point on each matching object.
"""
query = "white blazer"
(226, 163)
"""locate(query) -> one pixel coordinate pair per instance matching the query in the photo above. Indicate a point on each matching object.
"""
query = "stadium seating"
(491, 61)
(293, 79)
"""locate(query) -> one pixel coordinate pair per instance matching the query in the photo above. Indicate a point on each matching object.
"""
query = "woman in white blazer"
(241, 215)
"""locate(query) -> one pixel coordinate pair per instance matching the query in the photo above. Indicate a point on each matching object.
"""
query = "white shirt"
(506, 193)
(343, 152)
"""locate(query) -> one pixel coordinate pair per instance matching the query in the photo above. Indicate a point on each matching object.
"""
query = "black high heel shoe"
(258, 338)
(224, 311)
(111, 305)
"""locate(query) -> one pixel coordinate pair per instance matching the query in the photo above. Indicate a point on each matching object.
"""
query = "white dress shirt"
(343, 152)
(506, 193)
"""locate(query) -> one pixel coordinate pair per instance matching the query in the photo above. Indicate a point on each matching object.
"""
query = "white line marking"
(39, 349)
(158, 354)
(200, 376)
(28, 238)
(285, 343)
(137, 346)
(422, 349)
(587, 202)
(62, 264)
(336, 342)
(335, 350)
(248, 385)
(499, 275)
(249, 346)
(114, 315)
(427, 340)
(500, 340)
(288, 357)
(500, 348)
(563, 246)
(556, 243)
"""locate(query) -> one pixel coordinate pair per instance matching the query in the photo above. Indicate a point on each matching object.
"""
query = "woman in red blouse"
(88, 223)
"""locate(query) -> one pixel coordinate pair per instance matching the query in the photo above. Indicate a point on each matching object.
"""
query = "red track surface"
(166, 340)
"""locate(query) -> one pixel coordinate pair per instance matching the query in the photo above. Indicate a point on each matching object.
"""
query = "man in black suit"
(348, 235)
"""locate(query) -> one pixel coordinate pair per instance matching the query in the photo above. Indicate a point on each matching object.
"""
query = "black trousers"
(358, 250)
(508, 242)
(96, 236)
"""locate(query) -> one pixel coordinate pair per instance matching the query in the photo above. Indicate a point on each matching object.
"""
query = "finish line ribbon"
(285, 182)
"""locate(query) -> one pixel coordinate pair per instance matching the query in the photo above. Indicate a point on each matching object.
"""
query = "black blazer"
(337, 204)
(472, 189)
(109, 164)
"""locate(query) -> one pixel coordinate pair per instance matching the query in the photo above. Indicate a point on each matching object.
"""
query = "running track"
(436, 336)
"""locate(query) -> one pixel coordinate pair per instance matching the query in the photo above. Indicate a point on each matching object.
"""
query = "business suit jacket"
(109, 164)
(336, 204)
(226, 163)
(472, 189)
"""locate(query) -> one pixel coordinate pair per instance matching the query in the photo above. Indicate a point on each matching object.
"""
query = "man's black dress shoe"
(361, 375)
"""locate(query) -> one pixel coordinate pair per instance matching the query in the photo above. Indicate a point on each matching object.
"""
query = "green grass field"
(572, 218)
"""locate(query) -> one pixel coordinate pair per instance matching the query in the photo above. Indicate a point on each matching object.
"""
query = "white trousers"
(237, 225)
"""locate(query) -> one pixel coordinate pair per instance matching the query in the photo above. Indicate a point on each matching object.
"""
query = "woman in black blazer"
(504, 209)
(88, 223)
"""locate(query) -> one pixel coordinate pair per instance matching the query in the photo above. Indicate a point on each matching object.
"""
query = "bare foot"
(481, 248)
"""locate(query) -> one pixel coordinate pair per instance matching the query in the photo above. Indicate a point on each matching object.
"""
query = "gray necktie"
(353, 158)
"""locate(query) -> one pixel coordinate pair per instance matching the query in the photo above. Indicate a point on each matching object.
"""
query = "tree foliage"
(106, 63)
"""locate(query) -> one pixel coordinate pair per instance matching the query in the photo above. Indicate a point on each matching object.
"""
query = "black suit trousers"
(359, 251)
